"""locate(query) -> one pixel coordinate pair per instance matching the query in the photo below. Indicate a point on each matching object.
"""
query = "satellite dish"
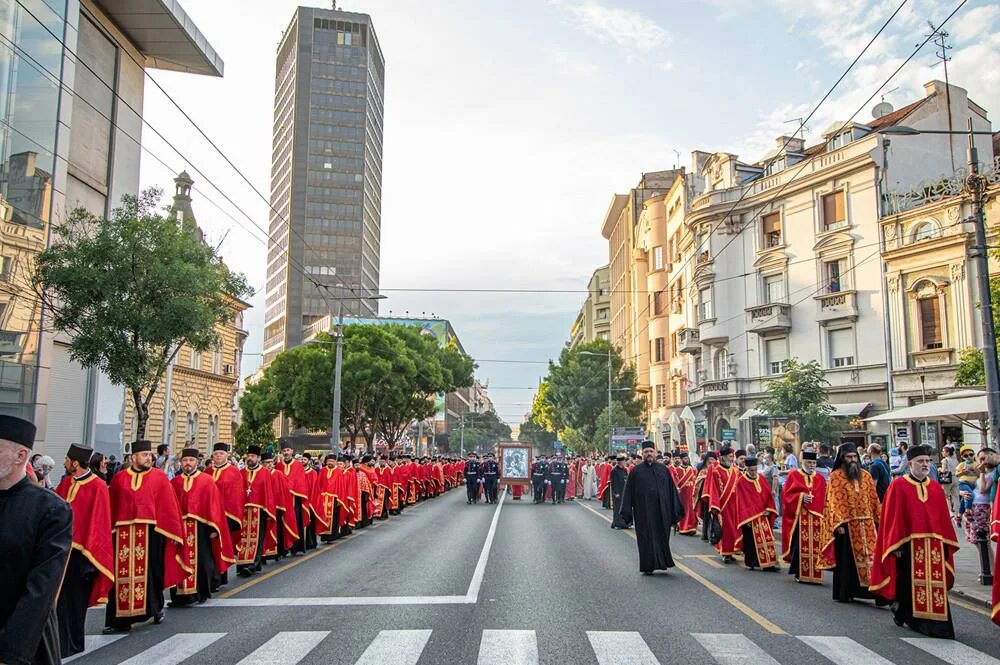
(881, 109)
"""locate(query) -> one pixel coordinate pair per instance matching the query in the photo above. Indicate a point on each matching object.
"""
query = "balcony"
(771, 318)
(834, 306)
(689, 341)
(715, 387)
(930, 358)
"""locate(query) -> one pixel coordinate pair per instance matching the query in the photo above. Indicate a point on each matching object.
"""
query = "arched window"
(171, 428)
(925, 231)
(929, 319)
(721, 367)
(190, 428)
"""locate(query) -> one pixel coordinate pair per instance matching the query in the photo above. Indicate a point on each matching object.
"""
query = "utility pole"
(975, 185)
(335, 444)
(941, 41)
(610, 430)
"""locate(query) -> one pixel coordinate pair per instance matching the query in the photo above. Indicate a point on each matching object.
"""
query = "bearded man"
(802, 500)
(723, 504)
(849, 527)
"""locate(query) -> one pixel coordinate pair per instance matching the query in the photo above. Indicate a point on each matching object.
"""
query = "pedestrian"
(801, 521)
(539, 472)
(298, 485)
(491, 475)
(604, 481)
(756, 514)
(233, 489)
(619, 475)
(148, 539)
(899, 462)
(651, 501)
(209, 551)
(946, 476)
(824, 460)
(89, 572)
(967, 475)
(99, 467)
(587, 479)
(558, 476)
(723, 530)
(43, 465)
(164, 460)
(879, 470)
(684, 479)
(914, 554)
(35, 539)
(977, 517)
(472, 479)
(324, 503)
(850, 512)
(280, 539)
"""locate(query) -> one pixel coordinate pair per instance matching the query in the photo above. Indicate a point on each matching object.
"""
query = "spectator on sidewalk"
(879, 470)
(898, 464)
(946, 475)
(977, 516)
(966, 474)
(824, 460)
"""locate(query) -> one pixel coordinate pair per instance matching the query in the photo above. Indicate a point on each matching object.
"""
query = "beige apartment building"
(594, 319)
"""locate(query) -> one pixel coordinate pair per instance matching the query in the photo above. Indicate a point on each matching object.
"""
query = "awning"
(961, 408)
(752, 413)
(850, 410)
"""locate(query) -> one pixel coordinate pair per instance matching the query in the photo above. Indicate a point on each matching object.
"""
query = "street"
(520, 583)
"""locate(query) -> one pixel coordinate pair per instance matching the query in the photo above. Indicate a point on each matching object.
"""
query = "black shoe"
(646, 572)
(158, 617)
(728, 559)
(111, 630)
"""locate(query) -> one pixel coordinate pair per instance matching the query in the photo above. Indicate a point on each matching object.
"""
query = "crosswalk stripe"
(508, 647)
(92, 643)
(844, 651)
(175, 650)
(951, 651)
(395, 647)
(620, 648)
(733, 649)
(285, 648)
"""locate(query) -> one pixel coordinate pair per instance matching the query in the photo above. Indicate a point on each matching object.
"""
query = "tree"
(133, 289)
(971, 370)
(482, 432)
(540, 437)
(619, 418)
(801, 394)
(247, 434)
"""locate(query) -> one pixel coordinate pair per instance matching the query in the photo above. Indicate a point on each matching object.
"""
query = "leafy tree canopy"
(801, 394)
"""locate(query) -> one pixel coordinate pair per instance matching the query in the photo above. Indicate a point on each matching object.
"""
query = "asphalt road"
(448, 583)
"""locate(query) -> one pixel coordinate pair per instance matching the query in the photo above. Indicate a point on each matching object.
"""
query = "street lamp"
(610, 390)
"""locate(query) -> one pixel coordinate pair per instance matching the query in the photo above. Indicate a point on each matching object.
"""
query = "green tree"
(132, 289)
(538, 436)
(482, 432)
(971, 371)
(247, 434)
(619, 418)
(801, 394)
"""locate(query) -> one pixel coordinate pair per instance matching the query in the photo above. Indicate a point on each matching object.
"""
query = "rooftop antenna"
(941, 41)
(677, 155)
(802, 127)
(883, 108)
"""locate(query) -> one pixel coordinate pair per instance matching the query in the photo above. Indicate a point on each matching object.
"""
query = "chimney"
(794, 144)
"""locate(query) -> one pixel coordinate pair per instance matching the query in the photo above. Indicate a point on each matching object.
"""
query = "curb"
(973, 598)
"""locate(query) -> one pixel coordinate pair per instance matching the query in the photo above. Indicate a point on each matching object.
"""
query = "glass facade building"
(326, 174)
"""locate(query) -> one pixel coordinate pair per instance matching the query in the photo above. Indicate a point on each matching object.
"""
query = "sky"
(510, 125)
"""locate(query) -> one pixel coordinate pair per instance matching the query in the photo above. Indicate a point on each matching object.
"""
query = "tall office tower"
(326, 174)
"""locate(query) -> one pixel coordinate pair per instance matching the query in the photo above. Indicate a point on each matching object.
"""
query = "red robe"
(755, 509)
(259, 501)
(232, 486)
(140, 502)
(284, 504)
(807, 518)
(459, 473)
(684, 478)
(387, 479)
(352, 495)
(573, 481)
(327, 491)
(88, 497)
(723, 500)
(603, 478)
(438, 477)
(298, 485)
(917, 514)
(378, 490)
(201, 501)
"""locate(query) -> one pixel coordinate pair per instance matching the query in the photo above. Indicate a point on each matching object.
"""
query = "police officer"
(539, 474)
(473, 477)
(558, 477)
(491, 473)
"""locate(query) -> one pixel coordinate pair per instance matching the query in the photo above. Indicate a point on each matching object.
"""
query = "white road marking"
(844, 651)
(329, 601)
(477, 577)
(285, 648)
(395, 647)
(620, 648)
(951, 651)
(508, 647)
(92, 643)
(733, 649)
(175, 649)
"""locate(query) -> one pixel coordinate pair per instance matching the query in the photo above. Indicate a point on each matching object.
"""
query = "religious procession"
(126, 539)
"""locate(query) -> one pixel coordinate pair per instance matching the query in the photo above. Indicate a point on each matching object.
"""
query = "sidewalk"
(967, 574)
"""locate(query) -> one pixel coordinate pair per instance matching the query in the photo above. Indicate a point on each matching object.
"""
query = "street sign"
(557, 445)
(701, 431)
(728, 434)
(626, 439)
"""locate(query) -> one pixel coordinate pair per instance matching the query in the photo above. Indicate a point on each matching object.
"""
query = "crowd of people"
(124, 537)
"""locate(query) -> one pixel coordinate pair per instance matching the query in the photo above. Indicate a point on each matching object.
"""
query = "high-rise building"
(326, 174)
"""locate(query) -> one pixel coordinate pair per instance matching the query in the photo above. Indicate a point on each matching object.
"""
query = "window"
(776, 355)
(673, 344)
(657, 258)
(698, 369)
(677, 297)
(929, 311)
(720, 370)
(924, 231)
(704, 304)
(602, 315)
(5, 263)
(661, 396)
(834, 211)
(771, 225)
(701, 248)
(841, 347)
(216, 363)
(191, 429)
(659, 350)
(213, 430)
(658, 300)
(171, 428)
(835, 275)
(774, 289)
(195, 359)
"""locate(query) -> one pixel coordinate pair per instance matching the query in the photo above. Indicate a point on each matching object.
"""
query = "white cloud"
(666, 66)
(624, 27)
(569, 63)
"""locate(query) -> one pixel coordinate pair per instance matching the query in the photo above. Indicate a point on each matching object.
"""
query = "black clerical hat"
(223, 447)
(367, 459)
(725, 450)
(329, 456)
(18, 430)
(190, 452)
(267, 454)
(809, 454)
(253, 449)
(80, 453)
(917, 451)
(750, 461)
(648, 444)
(142, 446)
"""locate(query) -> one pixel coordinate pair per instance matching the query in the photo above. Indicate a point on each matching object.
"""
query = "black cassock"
(619, 474)
(651, 500)
(36, 534)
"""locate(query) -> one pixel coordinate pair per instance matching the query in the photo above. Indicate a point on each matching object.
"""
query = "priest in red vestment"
(324, 499)
(377, 489)
(710, 459)
(232, 486)
(756, 513)
(209, 551)
(914, 563)
(89, 572)
(572, 480)
(285, 533)
(604, 481)
(723, 505)
(684, 479)
(802, 501)
(383, 487)
(310, 474)
(148, 539)
(258, 514)
(298, 486)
